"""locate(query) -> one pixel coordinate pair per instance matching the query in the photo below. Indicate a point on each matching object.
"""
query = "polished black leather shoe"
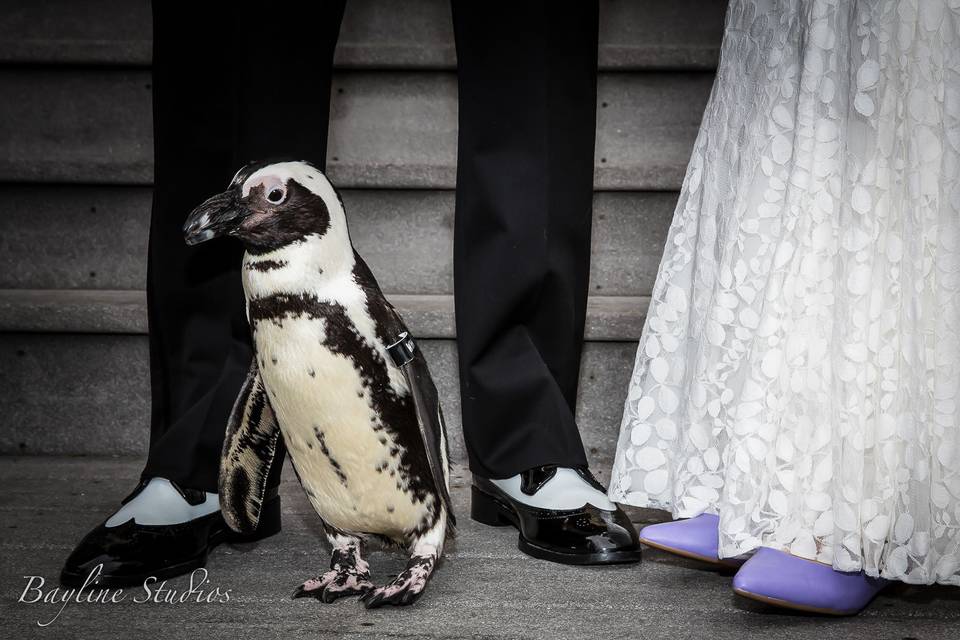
(587, 535)
(130, 553)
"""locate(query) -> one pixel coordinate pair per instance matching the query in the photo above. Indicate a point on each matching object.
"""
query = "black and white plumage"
(365, 434)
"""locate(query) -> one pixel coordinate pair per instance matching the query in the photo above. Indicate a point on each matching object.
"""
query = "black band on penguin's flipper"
(403, 350)
(249, 448)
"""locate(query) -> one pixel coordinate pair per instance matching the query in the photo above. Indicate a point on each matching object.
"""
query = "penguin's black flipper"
(249, 448)
(396, 337)
(426, 401)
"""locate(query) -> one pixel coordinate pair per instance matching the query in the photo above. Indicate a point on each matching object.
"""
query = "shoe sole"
(270, 519)
(107, 581)
(616, 557)
(489, 510)
(786, 604)
(714, 562)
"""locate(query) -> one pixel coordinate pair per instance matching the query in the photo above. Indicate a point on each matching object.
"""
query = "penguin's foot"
(335, 584)
(349, 575)
(406, 588)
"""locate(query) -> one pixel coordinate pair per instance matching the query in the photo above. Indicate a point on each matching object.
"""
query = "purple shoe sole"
(782, 580)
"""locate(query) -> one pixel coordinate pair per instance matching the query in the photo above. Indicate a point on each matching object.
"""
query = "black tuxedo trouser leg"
(231, 84)
(527, 78)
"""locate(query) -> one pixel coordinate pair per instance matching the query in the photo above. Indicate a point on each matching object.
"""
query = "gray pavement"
(484, 588)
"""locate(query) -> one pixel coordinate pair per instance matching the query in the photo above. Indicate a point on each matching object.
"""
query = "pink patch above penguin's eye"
(274, 189)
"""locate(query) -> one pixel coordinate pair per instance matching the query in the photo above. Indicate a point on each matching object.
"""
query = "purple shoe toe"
(780, 579)
(696, 538)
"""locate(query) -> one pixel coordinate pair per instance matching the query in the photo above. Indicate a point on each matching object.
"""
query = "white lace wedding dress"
(799, 372)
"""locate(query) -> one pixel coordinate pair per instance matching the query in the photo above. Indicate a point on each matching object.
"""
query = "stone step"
(682, 34)
(388, 129)
(89, 394)
(64, 237)
(609, 318)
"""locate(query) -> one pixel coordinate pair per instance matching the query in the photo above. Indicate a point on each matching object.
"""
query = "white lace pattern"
(799, 371)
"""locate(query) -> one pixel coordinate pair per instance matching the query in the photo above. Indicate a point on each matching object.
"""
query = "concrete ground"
(484, 588)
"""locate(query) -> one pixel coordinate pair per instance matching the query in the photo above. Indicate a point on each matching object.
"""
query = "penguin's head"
(268, 206)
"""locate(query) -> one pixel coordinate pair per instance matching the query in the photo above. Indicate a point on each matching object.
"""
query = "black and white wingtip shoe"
(170, 539)
(562, 514)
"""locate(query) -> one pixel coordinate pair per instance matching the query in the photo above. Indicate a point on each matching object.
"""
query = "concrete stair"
(637, 34)
(76, 169)
(388, 129)
(95, 237)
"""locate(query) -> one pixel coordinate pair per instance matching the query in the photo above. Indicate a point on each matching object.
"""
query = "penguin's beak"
(217, 216)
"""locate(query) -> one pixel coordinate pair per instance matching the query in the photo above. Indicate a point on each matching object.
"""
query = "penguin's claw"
(334, 585)
(406, 587)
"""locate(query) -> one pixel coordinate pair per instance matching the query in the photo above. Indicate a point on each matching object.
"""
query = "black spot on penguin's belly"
(397, 415)
(321, 439)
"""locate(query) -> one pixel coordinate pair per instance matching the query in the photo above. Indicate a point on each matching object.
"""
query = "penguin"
(336, 378)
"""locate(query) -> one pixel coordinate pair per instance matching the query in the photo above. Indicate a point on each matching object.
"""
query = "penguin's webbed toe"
(335, 584)
(406, 588)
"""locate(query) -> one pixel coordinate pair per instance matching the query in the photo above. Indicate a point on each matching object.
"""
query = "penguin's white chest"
(346, 460)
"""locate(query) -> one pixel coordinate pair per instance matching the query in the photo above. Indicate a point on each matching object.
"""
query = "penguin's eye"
(276, 195)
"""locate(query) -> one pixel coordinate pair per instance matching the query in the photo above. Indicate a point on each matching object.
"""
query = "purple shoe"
(783, 580)
(696, 538)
